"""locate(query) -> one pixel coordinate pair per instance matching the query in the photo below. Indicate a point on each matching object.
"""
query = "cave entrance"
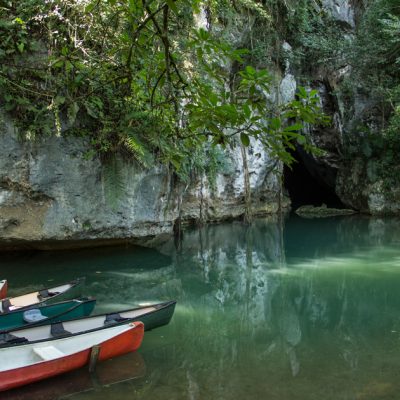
(310, 183)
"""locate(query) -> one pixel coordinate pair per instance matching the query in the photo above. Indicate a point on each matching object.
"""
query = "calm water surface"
(312, 312)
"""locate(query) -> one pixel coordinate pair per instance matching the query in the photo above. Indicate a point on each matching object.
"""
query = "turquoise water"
(310, 312)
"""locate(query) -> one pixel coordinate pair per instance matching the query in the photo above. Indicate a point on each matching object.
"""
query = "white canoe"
(47, 296)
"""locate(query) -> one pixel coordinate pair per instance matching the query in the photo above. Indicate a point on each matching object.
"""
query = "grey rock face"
(52, 192)
(369, 196)
(225, 198)
(288, 88)
(341, 10)
(49, 190)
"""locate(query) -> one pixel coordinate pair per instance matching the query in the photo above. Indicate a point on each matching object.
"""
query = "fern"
(139, 151)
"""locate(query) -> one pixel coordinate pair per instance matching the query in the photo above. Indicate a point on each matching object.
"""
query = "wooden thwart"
(48, 353)
(94, 356)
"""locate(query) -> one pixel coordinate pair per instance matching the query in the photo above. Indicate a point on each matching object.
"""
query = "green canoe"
(62, 311)
(152, 315)
(69, 290)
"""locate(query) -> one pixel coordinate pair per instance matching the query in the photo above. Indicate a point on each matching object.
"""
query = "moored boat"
(62, 311)
(27, 363)
(79, 382)
(44, 296)
(152, 316)
(3, 288)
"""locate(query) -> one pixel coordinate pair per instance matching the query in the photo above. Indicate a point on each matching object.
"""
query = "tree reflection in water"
(308, 313)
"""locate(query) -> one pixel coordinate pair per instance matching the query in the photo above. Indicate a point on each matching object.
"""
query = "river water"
(308, 312)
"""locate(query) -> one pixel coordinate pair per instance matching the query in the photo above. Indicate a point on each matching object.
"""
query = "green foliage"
(382, 157)
(224, 109)
(375, 60)
(258, 7)
(138, 78)
(372, 52)
(389, 155)
(375, 55)
(318, 39)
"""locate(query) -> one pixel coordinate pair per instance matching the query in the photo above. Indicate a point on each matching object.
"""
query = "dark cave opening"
(310, 183)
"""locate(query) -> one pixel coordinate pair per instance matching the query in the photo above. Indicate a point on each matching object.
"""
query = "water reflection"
(293, 317)
(308, 313)
(123, 369)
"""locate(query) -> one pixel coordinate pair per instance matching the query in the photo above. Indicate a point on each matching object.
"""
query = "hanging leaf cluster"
(141, 78)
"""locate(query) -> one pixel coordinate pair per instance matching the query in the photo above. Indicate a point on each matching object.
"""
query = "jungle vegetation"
(169, 81)
(148, 79)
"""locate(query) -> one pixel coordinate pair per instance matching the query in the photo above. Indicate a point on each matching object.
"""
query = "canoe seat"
(33, 315)
(8, 338)
(44, 294)
(48, 353)
(57, 330)
(114, 318)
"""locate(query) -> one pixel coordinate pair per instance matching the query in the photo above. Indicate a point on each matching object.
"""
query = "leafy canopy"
(144, 78)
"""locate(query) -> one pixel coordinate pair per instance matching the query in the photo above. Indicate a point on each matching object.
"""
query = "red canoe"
(23, 364)
(115, 371)
(3, 289)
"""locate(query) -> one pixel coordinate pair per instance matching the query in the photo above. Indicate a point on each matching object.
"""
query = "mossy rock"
(322, 211)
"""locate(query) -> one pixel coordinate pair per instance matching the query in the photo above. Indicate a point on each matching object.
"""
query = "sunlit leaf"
(244, 138)
(172, 6)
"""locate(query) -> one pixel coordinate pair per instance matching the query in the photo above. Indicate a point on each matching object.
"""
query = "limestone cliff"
(52, 195)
